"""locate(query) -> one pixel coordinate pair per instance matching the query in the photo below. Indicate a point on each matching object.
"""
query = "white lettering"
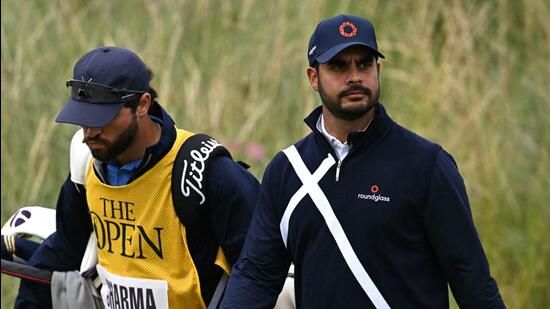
(194, 181)
(312, 50)
(373, 197)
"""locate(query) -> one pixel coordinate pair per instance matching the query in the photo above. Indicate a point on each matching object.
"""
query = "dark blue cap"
(113, 67)
(334, 34)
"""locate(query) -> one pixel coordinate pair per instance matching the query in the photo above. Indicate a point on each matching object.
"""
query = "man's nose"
(91, 132)
(354, 75)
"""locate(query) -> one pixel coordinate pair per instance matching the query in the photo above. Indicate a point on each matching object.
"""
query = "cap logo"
(82, 93)
(348, 29)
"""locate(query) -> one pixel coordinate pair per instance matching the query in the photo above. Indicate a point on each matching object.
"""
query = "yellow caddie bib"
(143, 257)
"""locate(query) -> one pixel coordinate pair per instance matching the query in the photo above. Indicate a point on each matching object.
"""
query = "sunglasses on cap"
(98, 93)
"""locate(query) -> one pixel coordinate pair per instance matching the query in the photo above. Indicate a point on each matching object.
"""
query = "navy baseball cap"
(104, 79)
(337, 33)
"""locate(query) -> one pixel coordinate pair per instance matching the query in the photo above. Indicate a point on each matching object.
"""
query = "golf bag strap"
(218, 293)
(79, 158)
(189, 181)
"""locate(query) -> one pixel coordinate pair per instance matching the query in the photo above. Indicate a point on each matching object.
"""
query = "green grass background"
(473, 76)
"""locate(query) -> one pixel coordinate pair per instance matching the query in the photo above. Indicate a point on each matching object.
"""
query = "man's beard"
(353, 112)
(112, 150)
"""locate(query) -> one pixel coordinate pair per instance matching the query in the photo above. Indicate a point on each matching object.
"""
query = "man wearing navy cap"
(371, 214)
(169, 209)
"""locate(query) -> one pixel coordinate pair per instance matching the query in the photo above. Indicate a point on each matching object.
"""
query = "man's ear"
(144, 105)
(313, 77)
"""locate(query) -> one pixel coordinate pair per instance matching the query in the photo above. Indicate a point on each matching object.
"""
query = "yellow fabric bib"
(140, 236)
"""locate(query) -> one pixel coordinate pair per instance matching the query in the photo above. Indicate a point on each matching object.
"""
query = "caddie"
(169, 209)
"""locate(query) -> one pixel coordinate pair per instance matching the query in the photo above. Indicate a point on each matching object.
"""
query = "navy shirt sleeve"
(450, 228)
(232, 193)
(260, 272)
(63, 250)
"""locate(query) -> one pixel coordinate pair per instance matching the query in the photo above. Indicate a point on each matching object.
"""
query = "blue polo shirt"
(119, 175)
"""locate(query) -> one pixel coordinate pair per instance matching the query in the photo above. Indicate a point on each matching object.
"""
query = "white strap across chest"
(310, 186)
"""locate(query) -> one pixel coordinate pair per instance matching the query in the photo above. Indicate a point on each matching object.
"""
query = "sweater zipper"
(338, 169)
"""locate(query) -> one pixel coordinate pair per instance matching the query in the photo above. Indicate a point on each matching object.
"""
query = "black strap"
(189, 179)
(191, 205)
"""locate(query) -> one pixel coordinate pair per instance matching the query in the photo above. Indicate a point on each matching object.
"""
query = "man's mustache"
(93, 139)
(355, 89)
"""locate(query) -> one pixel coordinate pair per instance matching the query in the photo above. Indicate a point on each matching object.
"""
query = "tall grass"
(470, 75)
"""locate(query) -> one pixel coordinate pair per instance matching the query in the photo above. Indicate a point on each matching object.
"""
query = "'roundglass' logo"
(374, 189)
(348, 29)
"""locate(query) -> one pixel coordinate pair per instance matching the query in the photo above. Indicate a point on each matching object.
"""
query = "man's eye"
(337, 65)
(366, 64)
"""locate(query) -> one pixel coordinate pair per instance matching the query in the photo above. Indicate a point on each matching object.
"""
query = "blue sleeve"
(260, 272)
(24, 248)
(450, 228)
(232, 193)
(63, 250)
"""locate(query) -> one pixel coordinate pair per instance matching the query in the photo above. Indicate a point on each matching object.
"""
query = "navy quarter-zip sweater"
(402, 205)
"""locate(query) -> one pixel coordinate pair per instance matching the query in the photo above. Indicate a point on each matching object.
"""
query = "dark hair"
(316, 66)
(134, 103)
